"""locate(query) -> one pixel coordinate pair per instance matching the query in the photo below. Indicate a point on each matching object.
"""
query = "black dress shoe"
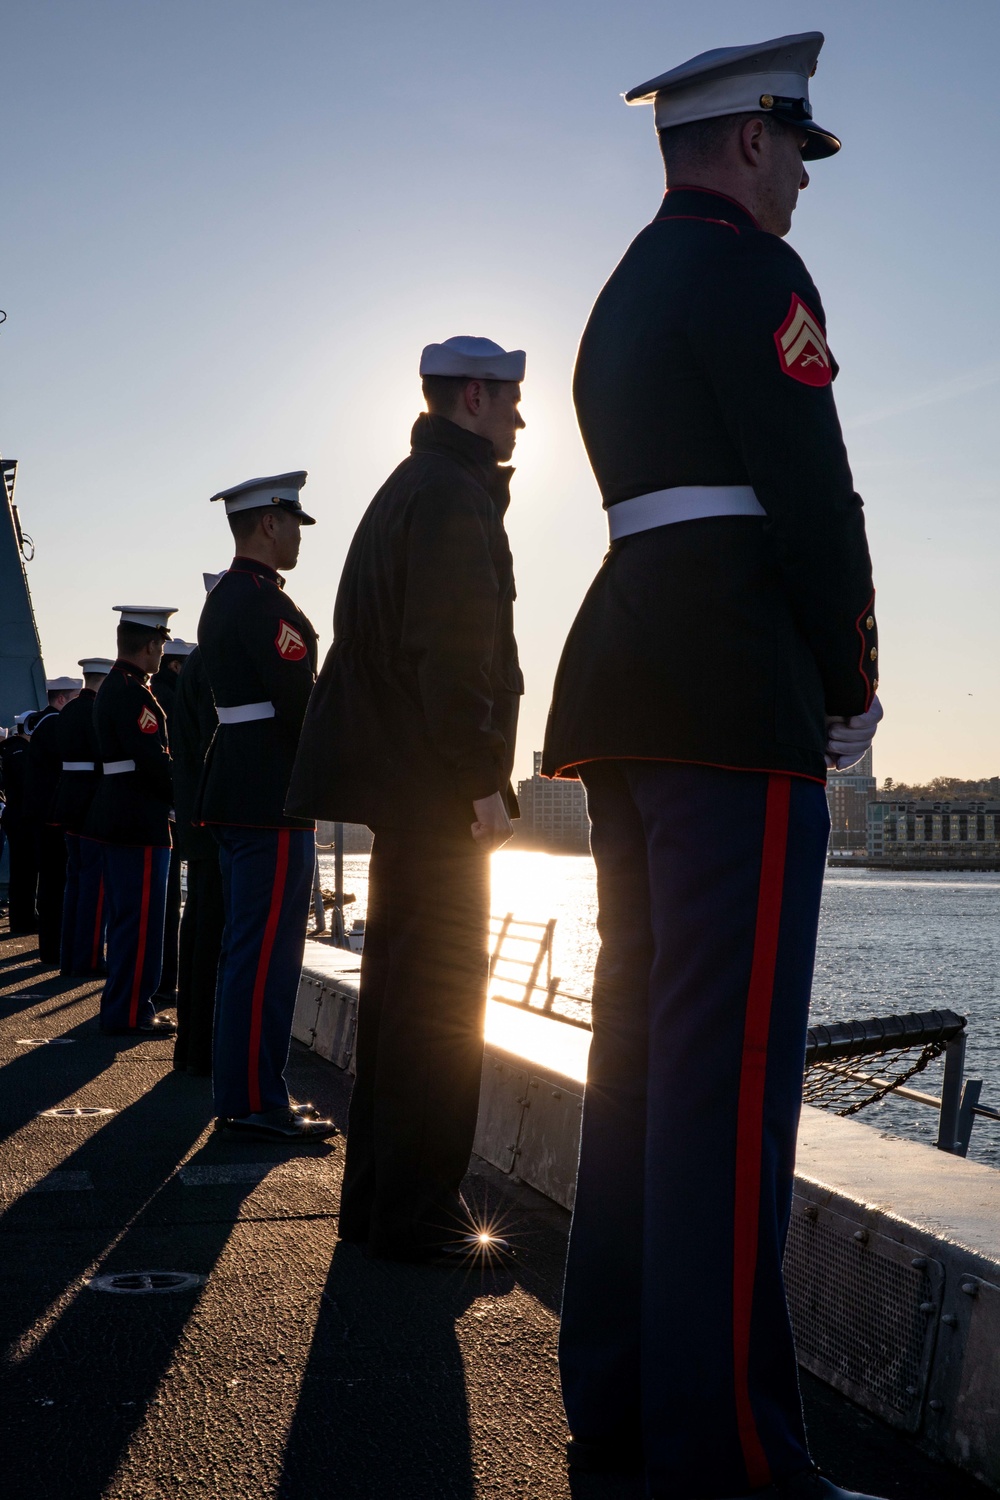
(605, 1458)
(278, 1125)
(809, 1485)
(158, 1026)
(307, 1111)
(463, 1252)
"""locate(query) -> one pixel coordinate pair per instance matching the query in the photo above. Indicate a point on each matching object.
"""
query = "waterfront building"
(848, 794)
(963, 834)
(553, 814)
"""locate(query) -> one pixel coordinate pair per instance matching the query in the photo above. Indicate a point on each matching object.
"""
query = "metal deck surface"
(293, 1369)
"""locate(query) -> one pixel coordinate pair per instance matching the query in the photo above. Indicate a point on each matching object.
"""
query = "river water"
(888, 942)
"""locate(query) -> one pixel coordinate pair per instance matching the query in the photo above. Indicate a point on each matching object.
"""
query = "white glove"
(848, 739)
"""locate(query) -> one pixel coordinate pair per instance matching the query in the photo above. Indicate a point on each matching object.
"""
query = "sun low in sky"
(230, 227)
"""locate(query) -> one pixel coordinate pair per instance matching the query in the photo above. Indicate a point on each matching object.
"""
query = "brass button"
(767, 101)
(870, 622)
(874, 684)
(873, 653)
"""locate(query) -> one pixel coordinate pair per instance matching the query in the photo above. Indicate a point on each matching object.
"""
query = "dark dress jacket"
(44, 768)
(131, 807)
(193, 722)
(76, 741)
(257, 647)
(723, 640)
(163, 686)
(13, 766)
(415, 710)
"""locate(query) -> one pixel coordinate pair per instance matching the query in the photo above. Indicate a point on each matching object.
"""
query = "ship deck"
(294, 1369)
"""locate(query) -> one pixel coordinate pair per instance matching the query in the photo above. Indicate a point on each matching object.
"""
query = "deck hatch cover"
(74, 1112)
(863, 1314)
(145, 1283)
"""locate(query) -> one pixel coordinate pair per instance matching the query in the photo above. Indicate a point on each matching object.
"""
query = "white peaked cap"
(153, 616)
(21, 718)
(176, 647)
(95, 666)
(475, 359)
(211, 579)
(275, 489)
(63, 684)
(769, 76)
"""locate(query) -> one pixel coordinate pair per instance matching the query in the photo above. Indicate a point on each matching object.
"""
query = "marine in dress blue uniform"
(40, 789)
(259, 653)
(22, 914)
(164, 689)
(130, 817)
(84, 914)
(731, 619)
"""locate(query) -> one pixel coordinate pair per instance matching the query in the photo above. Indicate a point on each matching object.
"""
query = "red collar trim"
(686, 187)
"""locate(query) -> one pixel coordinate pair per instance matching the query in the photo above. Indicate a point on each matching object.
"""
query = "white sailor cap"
(276, 489)
(63, 684)
(211, 579)
(176, 647)
(23, 718)
(772, 77)
(95, 666)
(153, 616)
(475, 359)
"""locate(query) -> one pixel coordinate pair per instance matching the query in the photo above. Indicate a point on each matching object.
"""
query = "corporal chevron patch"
(148, 721)
(801, 346)
(290, 645)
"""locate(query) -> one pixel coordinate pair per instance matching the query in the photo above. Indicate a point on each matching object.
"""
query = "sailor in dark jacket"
(84, 920)
(164, 689)
(130, 816)
(725, 656)
(259, 652)
(41, 781)
(411, 730)
(21, 910)
(193, 723)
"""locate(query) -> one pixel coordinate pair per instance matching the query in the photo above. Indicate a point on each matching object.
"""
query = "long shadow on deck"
(383, 1407)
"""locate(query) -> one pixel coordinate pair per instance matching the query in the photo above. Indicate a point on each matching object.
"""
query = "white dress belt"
(116, 767)
(78, 765)
(684, 502)
(245, 713)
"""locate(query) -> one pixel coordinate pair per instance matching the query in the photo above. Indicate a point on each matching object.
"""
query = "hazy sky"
(230, 226)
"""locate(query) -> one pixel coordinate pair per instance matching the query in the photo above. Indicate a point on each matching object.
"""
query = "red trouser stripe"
(263, 965)
(140, 954)
(95, 956)
(750, 1118)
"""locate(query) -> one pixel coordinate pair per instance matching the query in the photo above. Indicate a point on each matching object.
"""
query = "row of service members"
(232, 718)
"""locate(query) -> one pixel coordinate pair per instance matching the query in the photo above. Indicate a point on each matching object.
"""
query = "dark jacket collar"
(131, 670)
(703, 203)
(261, 570)
(433, 433)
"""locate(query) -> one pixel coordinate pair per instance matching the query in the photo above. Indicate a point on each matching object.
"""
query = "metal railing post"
(319, 911)
(967, 1114)
(951, 1095)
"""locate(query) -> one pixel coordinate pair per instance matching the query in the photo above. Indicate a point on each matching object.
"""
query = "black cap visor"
(295, 509)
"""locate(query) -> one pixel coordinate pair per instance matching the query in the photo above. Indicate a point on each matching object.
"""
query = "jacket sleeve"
(772, 377)
(147, 749)
(283, 653)
(448, 629)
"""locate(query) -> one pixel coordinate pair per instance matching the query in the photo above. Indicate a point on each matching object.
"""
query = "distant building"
(553, 814)
(848, 794)
(964, 834)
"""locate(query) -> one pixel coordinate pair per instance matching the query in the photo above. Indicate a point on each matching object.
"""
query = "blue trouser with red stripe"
(267, 878)
(135, 887)
(85, 916)
(675, 1336)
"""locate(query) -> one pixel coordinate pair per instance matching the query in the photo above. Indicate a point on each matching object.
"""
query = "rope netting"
(846, 1088)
